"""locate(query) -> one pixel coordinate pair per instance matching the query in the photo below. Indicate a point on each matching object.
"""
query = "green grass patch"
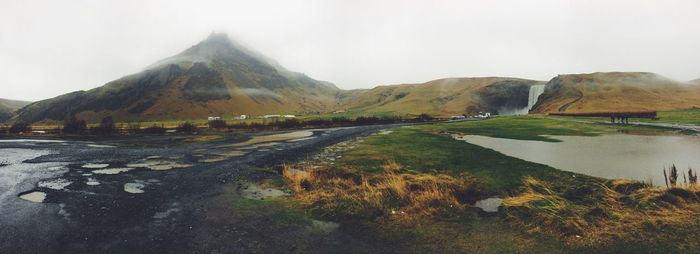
(524, 128)
(422, 150)
(281, 211)
(684, 116)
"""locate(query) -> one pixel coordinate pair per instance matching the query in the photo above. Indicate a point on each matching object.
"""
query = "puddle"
(34, 196)
(158, 164)
(385, 132)
(254, 191)
(301, 139)
(135, 188)
(95, 165)
(233, 153)
(31, 140)
(54, 184)
(111, 171)
(253, 147)
(609, 156)
(212, 159)
(489, 205)
(62, 211)
(166, 213)
(100, 146)
(274, 138)
(325, 226)
(92, 182)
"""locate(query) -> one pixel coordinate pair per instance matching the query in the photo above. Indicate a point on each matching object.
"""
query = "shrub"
(134, 128)
(217, 124)
(425, 117)
(20, 127)
(106, 126)
(187, 127)
(154, 129)
(74, 126)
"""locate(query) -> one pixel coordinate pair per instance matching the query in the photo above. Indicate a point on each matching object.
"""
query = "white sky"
(48, 48)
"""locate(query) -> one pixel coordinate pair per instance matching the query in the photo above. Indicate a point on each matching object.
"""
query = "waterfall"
(535, 92)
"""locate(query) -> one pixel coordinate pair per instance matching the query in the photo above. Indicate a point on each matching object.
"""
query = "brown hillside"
(615, 91)
(9, 107)
(216, 77)
(444, 97)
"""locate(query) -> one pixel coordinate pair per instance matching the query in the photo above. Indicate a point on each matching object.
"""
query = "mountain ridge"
(9, 107)
(221, 77)
(213, 77)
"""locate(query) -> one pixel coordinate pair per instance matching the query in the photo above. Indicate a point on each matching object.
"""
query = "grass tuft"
(390, 194)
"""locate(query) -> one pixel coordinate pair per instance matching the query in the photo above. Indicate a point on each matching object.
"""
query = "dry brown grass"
(620, 209)
(392, 193)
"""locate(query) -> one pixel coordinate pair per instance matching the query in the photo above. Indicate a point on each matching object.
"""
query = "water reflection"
(609, 156)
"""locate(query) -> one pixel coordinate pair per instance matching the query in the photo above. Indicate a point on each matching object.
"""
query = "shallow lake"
(609, 156)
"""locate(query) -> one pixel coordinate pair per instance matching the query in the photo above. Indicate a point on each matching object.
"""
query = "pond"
(628, 156)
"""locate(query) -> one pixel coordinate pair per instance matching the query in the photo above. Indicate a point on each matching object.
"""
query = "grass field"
(423, 151)
(415, 186)
(685, 116)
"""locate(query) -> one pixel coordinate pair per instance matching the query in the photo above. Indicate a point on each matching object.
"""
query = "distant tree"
(20, 127)
(217, 124)
(134, 127)
(74, 126)
(106, 126)
(187, 127)
(154, 129)
(425, 117)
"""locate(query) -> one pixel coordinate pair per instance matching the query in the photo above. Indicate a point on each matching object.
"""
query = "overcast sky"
(48, 48)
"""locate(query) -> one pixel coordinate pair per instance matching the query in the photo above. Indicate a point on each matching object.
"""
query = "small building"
(213, 118)
(241, 117)
(289, 116)
(271, 116)
(483, 115)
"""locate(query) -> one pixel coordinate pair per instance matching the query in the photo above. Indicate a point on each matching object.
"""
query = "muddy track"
(167, 216)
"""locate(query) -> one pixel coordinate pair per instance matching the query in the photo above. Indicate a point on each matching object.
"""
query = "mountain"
(615, 91)
(216, 77)
(8, 108)
(695, 82)
(220, 77)
(444, 97)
